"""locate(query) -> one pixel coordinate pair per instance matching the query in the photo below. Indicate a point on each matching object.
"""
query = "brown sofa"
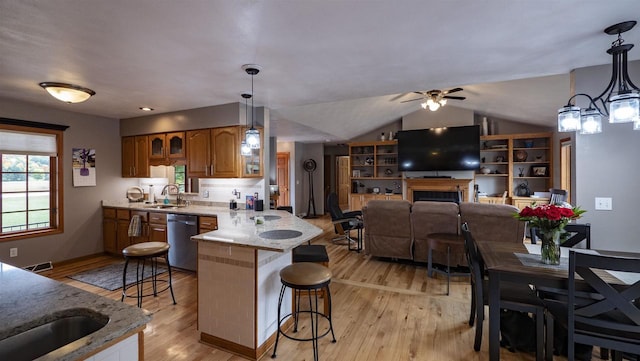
(397, 229)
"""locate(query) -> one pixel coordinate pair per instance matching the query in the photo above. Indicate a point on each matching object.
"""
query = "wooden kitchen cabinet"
(207, 224)
(251, 165)
(115, 230)
(198, 153)
(225, 149)
(164, 148)
(157, 227)
(144, 227)
(135, 156)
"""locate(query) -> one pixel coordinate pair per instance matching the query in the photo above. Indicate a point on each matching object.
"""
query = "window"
(31, 187)
(181, 177)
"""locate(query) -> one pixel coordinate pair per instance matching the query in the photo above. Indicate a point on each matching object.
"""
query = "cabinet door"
(157, 232)
(128, 156)
(141, 167)
(175, 145)
(252, 164)
(122, 238)
(157, 144)
(206, 224)
(198, 153)
(109, 235)
(355, 203)
(225, 149)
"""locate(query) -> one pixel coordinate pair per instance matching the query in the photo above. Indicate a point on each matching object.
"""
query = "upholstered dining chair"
(345, 222)
(515, 297)
(596, 312)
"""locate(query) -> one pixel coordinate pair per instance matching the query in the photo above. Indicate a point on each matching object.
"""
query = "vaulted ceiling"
(331, 70)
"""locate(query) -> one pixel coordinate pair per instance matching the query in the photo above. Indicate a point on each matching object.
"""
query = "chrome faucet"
(166, 190)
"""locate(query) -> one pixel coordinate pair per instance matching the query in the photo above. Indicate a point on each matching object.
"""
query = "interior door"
(282, 178)
(342, 183)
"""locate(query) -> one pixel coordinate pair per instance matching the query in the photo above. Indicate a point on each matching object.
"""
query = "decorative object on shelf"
(376, 190)
(538, 158)
(539, 171)
(368, 161)
(382, 136)
(485, 126)
(391, 135)
(485, 170)
(67, 93)
(528, 143)
(252, 135)
(550, 220)
(521, 172)
(388, 172)
(522, 190)
(520, 155)
(499, 159)
(621, 94)
(482, 159)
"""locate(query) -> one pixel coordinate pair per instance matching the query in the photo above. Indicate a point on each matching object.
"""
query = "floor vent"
(40, 267)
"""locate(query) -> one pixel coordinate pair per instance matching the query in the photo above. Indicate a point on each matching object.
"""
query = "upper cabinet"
(165, 148)
(225, 152)
(135, 156)
(198, 153)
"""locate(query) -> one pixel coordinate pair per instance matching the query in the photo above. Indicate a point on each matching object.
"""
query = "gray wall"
(82, 205)
(445, 117)
(607, 166)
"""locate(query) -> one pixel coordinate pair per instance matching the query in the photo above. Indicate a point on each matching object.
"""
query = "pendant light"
(245, 150)
(252, 135)
(621, 95)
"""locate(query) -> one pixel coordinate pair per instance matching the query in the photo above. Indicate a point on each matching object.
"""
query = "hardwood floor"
(382, 310)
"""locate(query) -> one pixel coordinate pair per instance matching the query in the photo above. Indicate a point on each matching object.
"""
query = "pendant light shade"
(67, 93)
(252, 135)
(569, 118)
(245, 150)
(591, 122)
(624, 108)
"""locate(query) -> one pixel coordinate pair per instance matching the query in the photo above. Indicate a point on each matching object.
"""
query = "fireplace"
(437, 196)
(438, 189)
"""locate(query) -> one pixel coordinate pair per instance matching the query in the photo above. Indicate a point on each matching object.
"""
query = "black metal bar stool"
(315, 253)
(141, 252)
(310, 277)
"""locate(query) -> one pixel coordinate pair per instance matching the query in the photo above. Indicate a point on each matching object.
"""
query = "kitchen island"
(28, 300)
(238, 277)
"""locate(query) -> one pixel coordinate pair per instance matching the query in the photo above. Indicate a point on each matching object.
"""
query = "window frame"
(56, 180)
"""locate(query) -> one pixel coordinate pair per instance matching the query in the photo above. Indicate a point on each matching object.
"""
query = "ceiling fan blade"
(411, 100)
(452, 90)
(457, 98)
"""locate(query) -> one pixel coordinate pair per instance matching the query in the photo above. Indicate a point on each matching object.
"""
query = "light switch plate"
(604, 204)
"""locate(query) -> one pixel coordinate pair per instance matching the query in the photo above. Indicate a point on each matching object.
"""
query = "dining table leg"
(494, 316)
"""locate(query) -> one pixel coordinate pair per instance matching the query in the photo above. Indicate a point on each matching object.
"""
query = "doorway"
(342, 181)
(565, 166)
(282, 178)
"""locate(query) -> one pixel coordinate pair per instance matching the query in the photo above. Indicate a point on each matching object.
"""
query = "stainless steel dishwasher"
(183, 252)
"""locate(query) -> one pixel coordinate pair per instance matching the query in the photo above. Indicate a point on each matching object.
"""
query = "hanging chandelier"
(252, 135)
(621, 95)
(245, 150)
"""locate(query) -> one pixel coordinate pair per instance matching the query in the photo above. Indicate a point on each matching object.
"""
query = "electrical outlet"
(205, 194)
(604, 203)
(13, 252)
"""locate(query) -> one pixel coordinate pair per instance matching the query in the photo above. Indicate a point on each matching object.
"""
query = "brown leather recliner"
(492, 222)
(387, 225)
(434, 217)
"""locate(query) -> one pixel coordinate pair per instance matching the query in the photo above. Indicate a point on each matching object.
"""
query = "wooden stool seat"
(141, 252)
(445, 242)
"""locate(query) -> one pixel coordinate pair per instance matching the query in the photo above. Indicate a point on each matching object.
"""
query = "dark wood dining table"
(503, 265)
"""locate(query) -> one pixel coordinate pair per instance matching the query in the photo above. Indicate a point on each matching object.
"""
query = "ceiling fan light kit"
(621, 94)
(435, 99)
(67, 93)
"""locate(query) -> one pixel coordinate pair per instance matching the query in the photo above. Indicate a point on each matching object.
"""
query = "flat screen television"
(439, 149)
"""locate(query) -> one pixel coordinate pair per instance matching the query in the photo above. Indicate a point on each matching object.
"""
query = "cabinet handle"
(211, 169)
(206, 170)
(134, 170)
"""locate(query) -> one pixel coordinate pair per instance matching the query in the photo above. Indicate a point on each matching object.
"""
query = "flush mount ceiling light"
(245, 150)
(67, 93)
(621, 95)
(146, 109)
(252, 135)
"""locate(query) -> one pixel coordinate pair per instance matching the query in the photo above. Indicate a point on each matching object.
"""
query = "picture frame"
(356, 173)
(540, 171)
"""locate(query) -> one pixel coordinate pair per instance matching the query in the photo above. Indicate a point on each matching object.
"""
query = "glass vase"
(550, 253)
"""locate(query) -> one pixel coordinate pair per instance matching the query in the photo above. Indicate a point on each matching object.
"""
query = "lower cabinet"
(522, 202)
(207, 224)
(157, 227)
(358, 201)
(144, 227)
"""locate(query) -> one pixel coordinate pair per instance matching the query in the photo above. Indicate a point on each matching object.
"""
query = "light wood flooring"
(382, 310)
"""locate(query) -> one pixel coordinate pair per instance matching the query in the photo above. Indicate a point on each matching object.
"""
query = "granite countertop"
(28, 300)
(238, 227)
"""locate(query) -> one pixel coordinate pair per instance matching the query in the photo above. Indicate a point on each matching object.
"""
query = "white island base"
(238, 290)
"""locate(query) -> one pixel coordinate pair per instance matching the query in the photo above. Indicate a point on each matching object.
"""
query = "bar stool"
(448, 242)
(141, 252)
(311, 277)
(315, 253)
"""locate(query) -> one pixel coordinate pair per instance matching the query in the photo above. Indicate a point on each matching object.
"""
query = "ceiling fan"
(435, 98)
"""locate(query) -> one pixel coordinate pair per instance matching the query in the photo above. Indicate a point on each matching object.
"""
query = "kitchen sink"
(50, 336)
(165, 206)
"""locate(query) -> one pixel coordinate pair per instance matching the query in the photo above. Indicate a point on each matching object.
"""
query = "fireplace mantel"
(438, 184)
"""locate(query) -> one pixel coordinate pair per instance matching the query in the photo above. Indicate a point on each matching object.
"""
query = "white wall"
(607, 166)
